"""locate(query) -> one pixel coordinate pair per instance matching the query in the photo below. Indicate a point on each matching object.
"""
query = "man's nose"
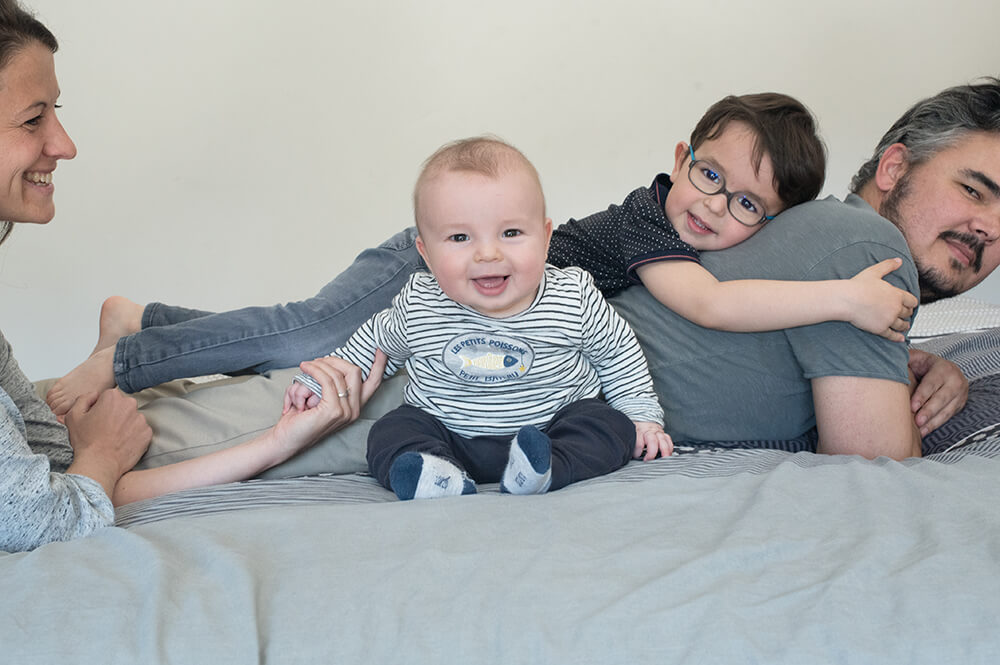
(987, 224)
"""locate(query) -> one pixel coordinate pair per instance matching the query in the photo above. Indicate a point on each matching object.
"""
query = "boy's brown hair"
(785, 131)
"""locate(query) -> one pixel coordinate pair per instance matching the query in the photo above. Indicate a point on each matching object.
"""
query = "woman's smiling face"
(31, 139)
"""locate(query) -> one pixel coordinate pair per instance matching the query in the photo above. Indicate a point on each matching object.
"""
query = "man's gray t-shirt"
(722, 386)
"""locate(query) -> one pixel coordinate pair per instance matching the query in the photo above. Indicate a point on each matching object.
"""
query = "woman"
(61, 482)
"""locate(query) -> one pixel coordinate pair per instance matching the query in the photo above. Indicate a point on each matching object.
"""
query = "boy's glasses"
(745, 207)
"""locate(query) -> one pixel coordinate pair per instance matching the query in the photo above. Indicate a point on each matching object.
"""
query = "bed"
(719, 554)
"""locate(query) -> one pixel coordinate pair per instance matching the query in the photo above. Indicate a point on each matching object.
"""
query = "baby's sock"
(422, 476)
(529, 464)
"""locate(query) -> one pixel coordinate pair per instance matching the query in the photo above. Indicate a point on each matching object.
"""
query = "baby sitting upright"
(507, 355)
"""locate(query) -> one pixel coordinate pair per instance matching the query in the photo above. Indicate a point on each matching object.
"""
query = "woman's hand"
(344, 394)
(108, 436)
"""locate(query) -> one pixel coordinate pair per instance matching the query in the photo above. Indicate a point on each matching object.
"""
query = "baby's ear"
(422, 251)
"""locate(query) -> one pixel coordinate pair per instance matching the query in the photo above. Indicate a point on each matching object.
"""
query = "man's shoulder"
(852, 215)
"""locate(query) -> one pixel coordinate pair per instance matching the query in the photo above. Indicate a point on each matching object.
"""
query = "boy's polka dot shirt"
(611, 245)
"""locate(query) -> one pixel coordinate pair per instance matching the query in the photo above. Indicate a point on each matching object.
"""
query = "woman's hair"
(937, 123)
(18, 28)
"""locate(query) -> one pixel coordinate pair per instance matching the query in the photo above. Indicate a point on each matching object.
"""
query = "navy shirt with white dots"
(610, 245)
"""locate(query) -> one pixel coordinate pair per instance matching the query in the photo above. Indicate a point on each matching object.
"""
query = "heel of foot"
(529, 463)
(422, 476)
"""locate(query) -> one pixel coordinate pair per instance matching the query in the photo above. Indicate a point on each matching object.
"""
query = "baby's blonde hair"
(487, 155)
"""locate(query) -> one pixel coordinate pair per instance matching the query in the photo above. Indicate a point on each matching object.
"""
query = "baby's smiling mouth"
(491, 281)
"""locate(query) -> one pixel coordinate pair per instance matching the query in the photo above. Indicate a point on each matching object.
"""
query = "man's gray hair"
(937, 123)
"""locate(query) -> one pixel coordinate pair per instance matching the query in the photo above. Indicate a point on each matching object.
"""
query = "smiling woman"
(33, 139)
(57, 482)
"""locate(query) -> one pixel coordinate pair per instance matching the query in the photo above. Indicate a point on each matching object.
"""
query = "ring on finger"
(345, 393)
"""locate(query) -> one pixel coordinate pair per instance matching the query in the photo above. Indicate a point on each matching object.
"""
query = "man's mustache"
(972, 242)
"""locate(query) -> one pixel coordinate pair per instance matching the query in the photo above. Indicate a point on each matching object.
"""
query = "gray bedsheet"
(722, 557)
(713, 556)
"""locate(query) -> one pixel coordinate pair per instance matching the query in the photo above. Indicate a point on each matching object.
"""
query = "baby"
(507, 356)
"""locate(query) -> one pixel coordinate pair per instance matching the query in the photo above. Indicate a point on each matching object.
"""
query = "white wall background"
(236, 152)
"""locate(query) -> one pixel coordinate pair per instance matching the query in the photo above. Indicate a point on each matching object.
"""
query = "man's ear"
(892, 166)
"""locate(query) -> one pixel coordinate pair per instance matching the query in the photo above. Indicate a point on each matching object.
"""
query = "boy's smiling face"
(703, 220)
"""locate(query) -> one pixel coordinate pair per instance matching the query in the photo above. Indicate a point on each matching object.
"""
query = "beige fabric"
(190, 419)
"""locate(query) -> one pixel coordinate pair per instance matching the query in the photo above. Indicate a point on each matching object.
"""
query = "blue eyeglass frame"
(728, 194)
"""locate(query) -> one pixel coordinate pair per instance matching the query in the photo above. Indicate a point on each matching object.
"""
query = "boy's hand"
(876, 306)
(650, 441)
(938, 392)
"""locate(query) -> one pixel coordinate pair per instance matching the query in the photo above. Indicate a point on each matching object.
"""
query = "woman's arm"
(866, 300)
(295, 431)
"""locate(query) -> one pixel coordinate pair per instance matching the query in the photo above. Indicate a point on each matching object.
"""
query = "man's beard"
(933, 284)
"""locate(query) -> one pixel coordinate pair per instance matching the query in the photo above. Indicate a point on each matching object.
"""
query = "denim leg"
(253, 340)
(157, 314)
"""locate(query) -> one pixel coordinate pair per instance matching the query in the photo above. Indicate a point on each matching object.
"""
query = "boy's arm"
(866, 300)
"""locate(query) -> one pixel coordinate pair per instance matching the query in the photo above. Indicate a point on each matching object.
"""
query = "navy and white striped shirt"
(486, 376)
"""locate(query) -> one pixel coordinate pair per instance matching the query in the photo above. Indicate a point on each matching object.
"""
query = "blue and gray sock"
(422, 476)
(529, 464)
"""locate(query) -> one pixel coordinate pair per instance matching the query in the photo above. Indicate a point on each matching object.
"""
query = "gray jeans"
(177, 342)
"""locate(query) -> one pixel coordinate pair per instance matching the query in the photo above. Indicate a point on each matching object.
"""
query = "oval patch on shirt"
(485, 358)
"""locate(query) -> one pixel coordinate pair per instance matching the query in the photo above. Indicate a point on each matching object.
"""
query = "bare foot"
(119, 317)
(96, 373)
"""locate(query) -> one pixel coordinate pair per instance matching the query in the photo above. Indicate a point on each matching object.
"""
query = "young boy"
(763, 147)
(749, 158)
(506, 355)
